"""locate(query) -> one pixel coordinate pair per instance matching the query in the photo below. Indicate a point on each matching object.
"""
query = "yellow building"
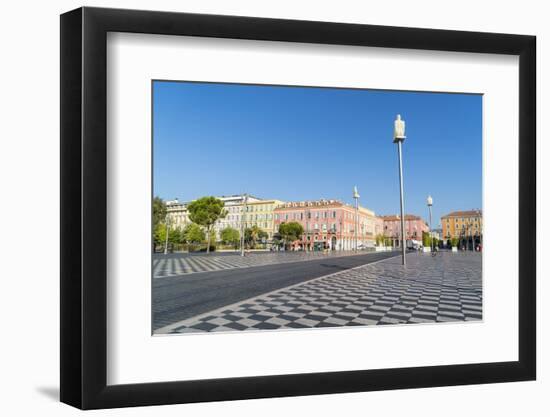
(464, 225)
(256, 212)
(260, 213)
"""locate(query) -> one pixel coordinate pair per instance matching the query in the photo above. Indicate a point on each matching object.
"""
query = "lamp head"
(399, 129)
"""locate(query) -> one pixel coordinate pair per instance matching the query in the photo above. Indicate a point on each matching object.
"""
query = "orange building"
(467, 226)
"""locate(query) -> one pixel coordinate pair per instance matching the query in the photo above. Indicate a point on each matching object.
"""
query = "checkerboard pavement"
(444, 288)
(188, 264)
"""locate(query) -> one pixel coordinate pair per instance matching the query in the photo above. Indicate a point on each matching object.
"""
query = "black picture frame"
(84, 207)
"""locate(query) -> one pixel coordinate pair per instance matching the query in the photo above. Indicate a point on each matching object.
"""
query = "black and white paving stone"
(444, 288)
(180, 264)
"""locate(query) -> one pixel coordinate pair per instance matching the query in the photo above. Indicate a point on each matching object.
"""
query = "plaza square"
(279, 207)
(444, 288)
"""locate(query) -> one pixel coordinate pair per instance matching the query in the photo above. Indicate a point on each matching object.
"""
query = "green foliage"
(193, 233)
(426, 240)
(175, 237)
(291, 231)
(429, 241)
(230, 236)
(159, 211)
(159, 234)
(205, 212)
(254, 234)
(276, 240)
(454, 242)
(382, 240)
(212, 237)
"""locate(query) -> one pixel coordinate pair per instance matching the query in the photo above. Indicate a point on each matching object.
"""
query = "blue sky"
(299, 143)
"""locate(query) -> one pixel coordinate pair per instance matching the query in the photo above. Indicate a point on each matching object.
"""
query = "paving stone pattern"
(444, 288)
(188, 264)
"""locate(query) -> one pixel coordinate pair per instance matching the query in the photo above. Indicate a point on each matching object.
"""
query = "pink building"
(414, 226)
(328, 224)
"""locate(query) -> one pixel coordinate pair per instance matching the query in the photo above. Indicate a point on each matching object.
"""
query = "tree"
(454, 242)
(205, 212)
(426, 240)
(429, 241)
(175, 238)
(193, 233)
(254, 234)
(276, 240)
(230, 236)
(159, 211)
(291, 231)
(159, 235)
(212, 239)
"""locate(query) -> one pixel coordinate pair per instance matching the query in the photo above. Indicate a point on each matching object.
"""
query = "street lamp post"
(243, 217)
(166, 238)
(430, 202)
(356, 223)
(398, 138)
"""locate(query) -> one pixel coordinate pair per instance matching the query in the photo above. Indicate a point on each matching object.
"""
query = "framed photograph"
(257, 208)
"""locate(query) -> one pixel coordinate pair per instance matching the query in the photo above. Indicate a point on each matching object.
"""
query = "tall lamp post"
(243, 217)
(166, 232)
(398, 138)
(356, 223)
(430, 202)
